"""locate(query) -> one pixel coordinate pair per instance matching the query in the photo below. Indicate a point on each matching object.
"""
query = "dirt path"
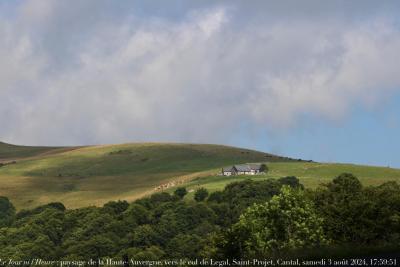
(180, 180)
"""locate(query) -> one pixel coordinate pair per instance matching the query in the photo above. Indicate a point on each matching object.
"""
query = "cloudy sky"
(312, 79)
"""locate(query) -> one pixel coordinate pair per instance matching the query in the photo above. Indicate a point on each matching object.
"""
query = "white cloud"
(192, 79)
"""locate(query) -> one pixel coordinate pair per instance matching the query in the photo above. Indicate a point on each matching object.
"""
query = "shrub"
(201, 194)
(180, 192)
(288, 221)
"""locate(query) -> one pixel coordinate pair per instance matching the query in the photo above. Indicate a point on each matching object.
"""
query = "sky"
(309, 79)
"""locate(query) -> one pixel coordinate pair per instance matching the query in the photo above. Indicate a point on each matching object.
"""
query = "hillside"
(8, 151)
(93, 175)
(310, 174)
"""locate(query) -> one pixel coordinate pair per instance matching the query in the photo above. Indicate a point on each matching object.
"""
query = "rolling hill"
(93, 175)
(310, 174)
(8, 151)
(81, 176)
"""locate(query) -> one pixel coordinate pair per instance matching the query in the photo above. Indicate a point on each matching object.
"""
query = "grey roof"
(243, 168)
(229, 169)
(255, 166)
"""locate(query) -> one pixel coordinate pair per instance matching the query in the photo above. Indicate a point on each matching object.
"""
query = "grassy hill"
(82, 176)
(8, 151)
(310, 174)
(94, 175)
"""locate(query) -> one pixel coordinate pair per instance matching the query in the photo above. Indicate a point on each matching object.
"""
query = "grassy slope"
(8, 151)
(94, 175)
(311, 174)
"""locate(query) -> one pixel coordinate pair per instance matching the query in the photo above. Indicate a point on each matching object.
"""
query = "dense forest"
(247, 220)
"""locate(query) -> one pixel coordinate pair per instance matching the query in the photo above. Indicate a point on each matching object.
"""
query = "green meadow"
(97, 174)
(94, 175)
(8, 151)
(310, 174)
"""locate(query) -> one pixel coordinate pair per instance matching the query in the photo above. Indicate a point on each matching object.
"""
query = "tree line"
(246, 220)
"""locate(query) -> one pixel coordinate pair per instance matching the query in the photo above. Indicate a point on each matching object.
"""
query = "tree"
(145, 254)
(291, 181)
(201, 194)
(143, 236)
(7, 212)
(345, 184)
(344, 208)
(241, 195)
(185, 246)
(158, 198)
(358, 215)
(385, 212)
(180, 192)
(216, 196)
(115, 207)
(288, 221)
(53, 205)
(136, 215)
(95, 247)
(263, 168)
(248, 219)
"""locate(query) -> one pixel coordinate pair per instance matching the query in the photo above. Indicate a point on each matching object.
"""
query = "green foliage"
(159, 198)
(385, 211)
(115, 207)
(189, 246)
(345, 185)
(288, 221)
(310, 174)
(240, 195)
(357, 215)
(94, 247)
(343, 206)
(151, 253)
(27, 213)
(7, 212)
(136, 214)
(247, 219)
(201, 194)
(264, 168)
(291, 181)
(216, 196)
(143, 236)
(180, 192)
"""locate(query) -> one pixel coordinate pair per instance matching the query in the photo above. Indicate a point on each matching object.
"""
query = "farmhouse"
(243, 169)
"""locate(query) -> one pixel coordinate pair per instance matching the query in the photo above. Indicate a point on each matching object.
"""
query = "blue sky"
(308, 79)
(365, 137)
